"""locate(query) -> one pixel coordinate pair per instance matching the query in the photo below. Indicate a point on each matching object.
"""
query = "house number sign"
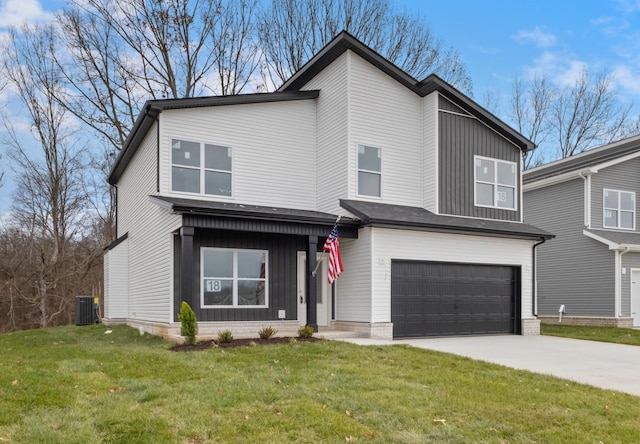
(212, 285)
(502, 196)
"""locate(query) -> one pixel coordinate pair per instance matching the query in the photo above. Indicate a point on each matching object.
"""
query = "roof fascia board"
(634, 248)
(560, 178)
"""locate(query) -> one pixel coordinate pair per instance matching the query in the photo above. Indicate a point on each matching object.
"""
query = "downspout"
(534, 307)
(587, 197)
(618, 282)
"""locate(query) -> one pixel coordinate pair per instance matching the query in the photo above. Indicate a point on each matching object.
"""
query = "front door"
(323, 289)
(635, 297)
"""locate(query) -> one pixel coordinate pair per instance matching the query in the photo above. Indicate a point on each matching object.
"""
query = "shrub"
(267, 332)
(225, 336)
(306, 331)
(189, 323)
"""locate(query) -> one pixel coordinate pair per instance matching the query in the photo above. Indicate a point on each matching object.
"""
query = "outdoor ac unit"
(84, 310)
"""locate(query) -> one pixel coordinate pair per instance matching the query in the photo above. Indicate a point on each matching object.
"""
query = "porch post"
(312, 288)
(186, 274)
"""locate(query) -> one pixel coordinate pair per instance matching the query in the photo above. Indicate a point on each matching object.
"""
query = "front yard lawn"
(83, 385)
(603, 334)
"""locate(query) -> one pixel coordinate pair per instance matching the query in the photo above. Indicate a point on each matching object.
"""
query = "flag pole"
(313, 273)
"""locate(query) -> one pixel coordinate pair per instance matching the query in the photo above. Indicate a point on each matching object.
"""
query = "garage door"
(445, 299)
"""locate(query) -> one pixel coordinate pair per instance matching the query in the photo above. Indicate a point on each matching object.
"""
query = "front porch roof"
(242, 217)
(406, 217)
(616, 240)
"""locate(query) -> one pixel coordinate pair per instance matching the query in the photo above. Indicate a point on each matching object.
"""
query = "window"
(495, 183)
(200, 168)
(234, 278)
(369, 171)
(619, 209)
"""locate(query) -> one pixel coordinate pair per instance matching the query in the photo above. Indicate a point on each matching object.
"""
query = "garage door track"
(600, 364)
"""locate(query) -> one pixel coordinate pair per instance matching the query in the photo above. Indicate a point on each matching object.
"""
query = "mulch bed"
(249, 342)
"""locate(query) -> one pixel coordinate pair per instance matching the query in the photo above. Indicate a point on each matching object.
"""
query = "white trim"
(235, 277)
(495, 183)
(437, 138)
(634, 248)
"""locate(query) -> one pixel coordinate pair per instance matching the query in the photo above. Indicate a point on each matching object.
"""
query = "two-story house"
(226, 202)
(590, 273)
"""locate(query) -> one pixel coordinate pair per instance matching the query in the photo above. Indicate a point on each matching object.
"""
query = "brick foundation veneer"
(588, 321)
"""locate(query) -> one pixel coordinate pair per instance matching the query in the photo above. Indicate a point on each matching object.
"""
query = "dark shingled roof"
(216, 208)
(618, 237)
(400, 216)
(583, 160)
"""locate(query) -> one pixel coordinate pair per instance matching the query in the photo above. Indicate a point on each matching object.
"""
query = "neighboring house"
(592, 268)
(226, 202)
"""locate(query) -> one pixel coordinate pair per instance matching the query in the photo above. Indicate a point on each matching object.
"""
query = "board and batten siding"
(390, 244)
(572, 269)
(116, 288)
(354, 287)
(149, 239)
(332, 120)
(430, 152)
(273, 150)
(624, 176)
(386, 115)
(461, 138)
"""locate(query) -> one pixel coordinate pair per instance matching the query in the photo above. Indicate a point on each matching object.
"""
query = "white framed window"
(369, 171)
(233, 278)
(619, 209)
(200, 168)
(495, 183)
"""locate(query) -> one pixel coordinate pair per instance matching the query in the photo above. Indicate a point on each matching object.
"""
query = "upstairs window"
(200, 168)
(495, 183)
(619, 209)
(369, 171)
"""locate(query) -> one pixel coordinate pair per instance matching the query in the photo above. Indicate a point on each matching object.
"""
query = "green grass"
(80, 385)
(603, 334)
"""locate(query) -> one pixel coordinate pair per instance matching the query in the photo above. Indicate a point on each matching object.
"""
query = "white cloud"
(18, 12)
(559, 68)
(627, 79)
(536, 36)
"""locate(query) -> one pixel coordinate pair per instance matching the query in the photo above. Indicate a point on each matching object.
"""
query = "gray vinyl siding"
(447, 105)
(462, 138)
(622, 177)
(572, 269)
(282, 269)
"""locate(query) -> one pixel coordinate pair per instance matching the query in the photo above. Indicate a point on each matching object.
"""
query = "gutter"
(534, 292)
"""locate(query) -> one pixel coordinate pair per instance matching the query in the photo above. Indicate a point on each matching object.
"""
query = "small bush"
(306, 331)
(292, 340)
(267, 332)
(225, 336)
(189, 323)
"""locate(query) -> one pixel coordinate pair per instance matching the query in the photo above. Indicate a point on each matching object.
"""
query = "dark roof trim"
(117, 242)
(586, 159)
(152, 109)
(251, 212)
(345, 41)
(420, 219)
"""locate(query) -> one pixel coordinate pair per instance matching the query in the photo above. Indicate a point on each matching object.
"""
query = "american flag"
(335, 262)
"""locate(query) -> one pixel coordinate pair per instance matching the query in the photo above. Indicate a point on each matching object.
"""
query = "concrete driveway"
(600, 364)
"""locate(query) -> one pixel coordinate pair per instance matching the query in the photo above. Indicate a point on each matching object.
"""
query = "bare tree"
(587, 114)
(292, 31)
(530, 107)
(567, 120)
(49, 199)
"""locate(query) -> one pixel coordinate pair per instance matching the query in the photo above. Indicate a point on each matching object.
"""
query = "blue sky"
(498, 40)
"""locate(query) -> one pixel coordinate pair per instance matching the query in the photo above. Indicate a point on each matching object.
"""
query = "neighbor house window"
(495, 183)
(619, 209)
(369, 171)
(200, 168)
(234, 278)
